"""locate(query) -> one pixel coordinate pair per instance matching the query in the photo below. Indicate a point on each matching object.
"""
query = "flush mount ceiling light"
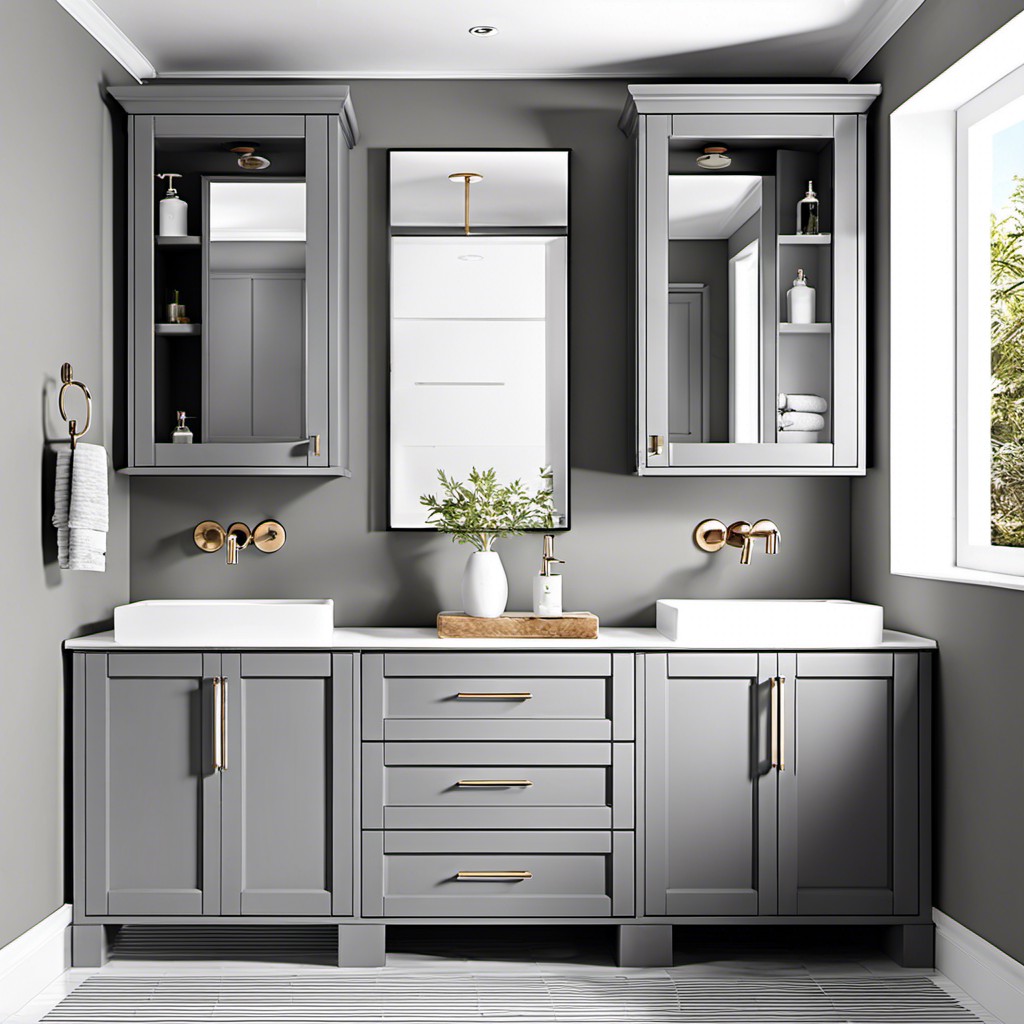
(467, 178)
(713, 158)
(249, 160)
(483, 30)
(470, 257)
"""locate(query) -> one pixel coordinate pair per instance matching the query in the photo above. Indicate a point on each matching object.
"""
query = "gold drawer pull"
(501, 876)
(468, 783)
(493, 696)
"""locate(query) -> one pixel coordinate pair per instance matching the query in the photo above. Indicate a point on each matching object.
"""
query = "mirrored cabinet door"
(479, 277)
(750, 276)
(237, 257)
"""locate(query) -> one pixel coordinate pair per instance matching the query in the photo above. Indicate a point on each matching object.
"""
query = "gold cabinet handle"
(223, 724)
(499, 876)
(774, 698)
(471, 783)
(493, 696)
(218, 724)
(314, 441)
(655, 444)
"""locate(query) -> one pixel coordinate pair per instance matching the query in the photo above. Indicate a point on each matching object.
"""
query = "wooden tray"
(517, 625)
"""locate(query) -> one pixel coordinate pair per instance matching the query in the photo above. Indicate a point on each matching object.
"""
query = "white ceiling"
(535, 38)
(710, 207)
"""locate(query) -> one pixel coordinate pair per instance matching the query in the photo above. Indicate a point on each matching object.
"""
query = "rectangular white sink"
(770, 625)
(224, 623)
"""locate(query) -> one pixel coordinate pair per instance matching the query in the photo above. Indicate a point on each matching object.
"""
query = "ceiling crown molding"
(886, 22)
(110, 37)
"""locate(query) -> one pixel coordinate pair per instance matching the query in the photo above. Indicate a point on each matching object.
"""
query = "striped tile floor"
(666, 996)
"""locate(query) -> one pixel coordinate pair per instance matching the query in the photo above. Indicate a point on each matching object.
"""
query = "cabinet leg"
(360, 945)
(90, 944)
(645, 945)
(911, 945)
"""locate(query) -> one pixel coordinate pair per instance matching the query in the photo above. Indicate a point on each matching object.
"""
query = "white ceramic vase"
(484, 585)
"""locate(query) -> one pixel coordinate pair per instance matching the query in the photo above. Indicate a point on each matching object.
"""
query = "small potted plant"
(480, 512)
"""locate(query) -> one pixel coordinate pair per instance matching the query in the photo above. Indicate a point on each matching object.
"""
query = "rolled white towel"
(802, 403)
(801, 421)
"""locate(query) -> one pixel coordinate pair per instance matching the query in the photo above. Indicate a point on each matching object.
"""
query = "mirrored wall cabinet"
(479, 321)
(237, 249)
(750, 276)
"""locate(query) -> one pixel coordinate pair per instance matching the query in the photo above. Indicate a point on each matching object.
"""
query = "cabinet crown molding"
(747, 98)
(241, 99)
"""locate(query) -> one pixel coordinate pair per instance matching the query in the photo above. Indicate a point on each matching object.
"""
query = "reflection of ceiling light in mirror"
(713, 158)
(248, 160)
(470, 257)
(483, 30)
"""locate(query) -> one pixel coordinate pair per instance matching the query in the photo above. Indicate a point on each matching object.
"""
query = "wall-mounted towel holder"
(67, 376)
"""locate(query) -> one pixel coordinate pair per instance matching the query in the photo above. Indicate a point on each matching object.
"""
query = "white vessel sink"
(224, 623)
(770, 625)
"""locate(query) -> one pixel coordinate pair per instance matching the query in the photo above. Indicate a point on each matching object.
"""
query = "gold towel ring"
(67, 375)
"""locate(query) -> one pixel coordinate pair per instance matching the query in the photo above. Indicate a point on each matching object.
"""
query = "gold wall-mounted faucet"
(268, 536)
(712, 535)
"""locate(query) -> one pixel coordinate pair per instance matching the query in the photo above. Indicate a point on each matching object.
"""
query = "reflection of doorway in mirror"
(744, 344)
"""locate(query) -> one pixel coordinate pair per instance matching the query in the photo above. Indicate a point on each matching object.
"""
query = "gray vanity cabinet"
(213, 784)
(786, 784)
(260, 366)
(849, 796)
(148, 835)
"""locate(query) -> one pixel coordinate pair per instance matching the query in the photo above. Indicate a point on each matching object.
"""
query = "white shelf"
(805, 239)
(787, 328)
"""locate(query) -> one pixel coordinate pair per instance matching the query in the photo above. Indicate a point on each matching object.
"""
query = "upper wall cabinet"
(479, 321)
(750, 274)
(237, 265)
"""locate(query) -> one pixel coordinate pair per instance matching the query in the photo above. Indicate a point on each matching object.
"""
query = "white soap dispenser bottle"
(547, 586)
(801, 301)
(173, 210)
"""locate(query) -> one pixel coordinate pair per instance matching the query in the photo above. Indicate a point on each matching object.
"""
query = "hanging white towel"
(802, 403)
(801, 421)
(80, 508)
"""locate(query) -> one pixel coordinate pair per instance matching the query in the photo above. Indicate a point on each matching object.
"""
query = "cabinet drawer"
(485, 696)
(499, 785)
(499, 874)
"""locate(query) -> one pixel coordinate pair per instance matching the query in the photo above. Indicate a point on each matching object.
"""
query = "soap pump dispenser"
(547, 586)
(800, 300)
(181, 434)
(173, 210)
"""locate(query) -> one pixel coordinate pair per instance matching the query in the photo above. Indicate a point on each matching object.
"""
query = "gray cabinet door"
(287, 785)
(152, 795)
(848, 791)
(710, 807)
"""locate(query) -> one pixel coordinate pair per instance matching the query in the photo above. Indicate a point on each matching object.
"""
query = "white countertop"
(425, 638)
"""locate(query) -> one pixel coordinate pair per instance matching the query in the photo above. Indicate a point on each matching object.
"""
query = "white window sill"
(958, 574)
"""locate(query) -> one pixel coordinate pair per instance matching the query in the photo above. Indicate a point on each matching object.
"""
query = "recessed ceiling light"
(483, 30)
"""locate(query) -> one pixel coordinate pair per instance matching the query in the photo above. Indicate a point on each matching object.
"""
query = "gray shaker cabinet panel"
(287, 787)
(710, 807)
(151, 838)
(848, 804)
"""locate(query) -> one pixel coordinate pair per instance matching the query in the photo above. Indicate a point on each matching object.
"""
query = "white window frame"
(925, 393)
(998, 107)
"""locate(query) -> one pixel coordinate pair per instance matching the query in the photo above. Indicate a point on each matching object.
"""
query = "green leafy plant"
(1007, 316)
(481, 511)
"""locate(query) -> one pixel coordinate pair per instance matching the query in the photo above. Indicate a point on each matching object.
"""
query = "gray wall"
(631, 538)
(980, 700)
(56, 293)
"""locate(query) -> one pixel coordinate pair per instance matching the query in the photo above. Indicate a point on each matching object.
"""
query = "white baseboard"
(982, 970)
(33, 960)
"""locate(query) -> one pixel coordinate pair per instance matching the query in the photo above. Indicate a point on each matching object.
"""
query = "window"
(954, 148)
(990, 329)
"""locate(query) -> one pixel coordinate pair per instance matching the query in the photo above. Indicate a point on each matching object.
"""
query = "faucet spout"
(767, 529)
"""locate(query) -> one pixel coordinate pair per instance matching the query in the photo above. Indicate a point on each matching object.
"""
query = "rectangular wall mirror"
(478, 321)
